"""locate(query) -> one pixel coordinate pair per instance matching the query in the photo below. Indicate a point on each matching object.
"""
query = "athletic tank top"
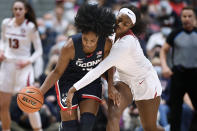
(82, 63)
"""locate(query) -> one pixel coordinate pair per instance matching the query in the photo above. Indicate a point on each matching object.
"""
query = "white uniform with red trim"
(133, 67)
(16, 44)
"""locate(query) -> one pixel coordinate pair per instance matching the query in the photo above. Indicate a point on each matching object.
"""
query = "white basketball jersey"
(17, 39)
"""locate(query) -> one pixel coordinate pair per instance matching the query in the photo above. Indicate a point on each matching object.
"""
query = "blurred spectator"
(59, 3)
(48, 21)
(131, 118)
(116, 7)
(59, 24)
(157, 39)
(70, 10)
(177, 6)
(61, 40)
(142, 41)
(41, 28)
(167, 16)
(48, 35)
(155, 60)
(149, 13)
(71, 30)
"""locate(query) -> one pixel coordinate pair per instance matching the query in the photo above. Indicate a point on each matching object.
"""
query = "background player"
(16, 60)
(82, 53)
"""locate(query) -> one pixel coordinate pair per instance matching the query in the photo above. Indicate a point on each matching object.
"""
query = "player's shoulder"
(69, 45)
(68, 49)
(129, 42)
(108, 41)
(30, 24)
(108, 44)
(6, 21)
(129, 38)
(176, 31)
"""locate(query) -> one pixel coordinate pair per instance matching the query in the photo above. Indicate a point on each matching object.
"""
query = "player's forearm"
(2, 42)
(49, 81)
(110, 77)
(37, 47)
(2, 47)
(88, 78)
(106, 64)
(36, 55)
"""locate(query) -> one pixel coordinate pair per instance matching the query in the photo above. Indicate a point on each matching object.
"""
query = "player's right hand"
(167, 72)
(69, 98)
(2, 57)
(114, 95)
(22, 63)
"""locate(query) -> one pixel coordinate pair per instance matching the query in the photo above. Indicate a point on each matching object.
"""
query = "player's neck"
(18, 22)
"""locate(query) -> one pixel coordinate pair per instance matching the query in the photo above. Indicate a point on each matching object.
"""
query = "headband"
(129, 13)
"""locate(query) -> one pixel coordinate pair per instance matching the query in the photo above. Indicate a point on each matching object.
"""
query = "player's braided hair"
(96, 19)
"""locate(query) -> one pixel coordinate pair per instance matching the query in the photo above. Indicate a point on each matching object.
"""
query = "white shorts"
(12, 80)
(144, 89)
(147, 88)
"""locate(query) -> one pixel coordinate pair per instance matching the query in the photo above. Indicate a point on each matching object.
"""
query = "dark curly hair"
(140, 25)
(99, 20)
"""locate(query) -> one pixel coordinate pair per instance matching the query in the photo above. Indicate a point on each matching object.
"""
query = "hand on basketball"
(70, 97)
(114, 95)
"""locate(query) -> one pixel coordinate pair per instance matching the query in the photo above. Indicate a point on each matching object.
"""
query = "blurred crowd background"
(55, 20)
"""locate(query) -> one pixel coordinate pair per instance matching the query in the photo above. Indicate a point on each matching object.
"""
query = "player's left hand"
(70, 97)
(21, 64)
(114, 95)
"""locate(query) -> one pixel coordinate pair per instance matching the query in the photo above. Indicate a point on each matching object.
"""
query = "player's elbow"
(41, 52)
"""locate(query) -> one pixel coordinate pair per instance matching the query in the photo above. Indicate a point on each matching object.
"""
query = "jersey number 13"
(13, 43)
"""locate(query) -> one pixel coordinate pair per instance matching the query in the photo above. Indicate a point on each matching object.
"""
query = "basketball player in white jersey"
(137, 78)
(16, 70)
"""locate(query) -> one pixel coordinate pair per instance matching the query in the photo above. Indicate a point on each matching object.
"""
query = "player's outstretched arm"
(67, 53)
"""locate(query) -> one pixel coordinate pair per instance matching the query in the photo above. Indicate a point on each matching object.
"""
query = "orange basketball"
(30, 99)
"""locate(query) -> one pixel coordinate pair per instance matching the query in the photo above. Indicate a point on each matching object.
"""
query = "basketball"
(30, 99)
